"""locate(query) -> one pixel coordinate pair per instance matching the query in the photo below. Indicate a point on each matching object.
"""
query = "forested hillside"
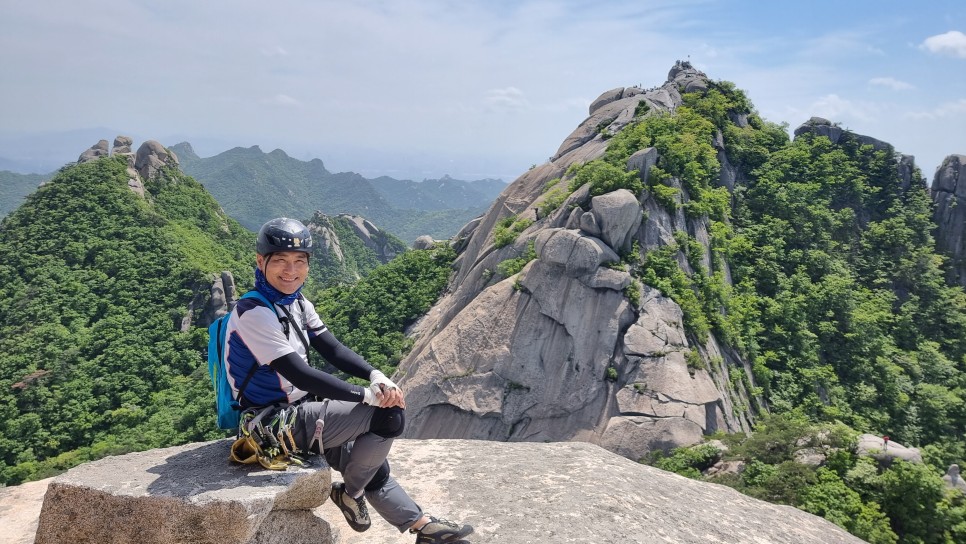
(838, 298)
(824, 274)
(96, 284)
(96, 281)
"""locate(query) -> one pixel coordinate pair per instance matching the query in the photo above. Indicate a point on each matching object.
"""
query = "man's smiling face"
(285, 270)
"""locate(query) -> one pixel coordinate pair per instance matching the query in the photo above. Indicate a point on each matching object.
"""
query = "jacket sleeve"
(322, 384)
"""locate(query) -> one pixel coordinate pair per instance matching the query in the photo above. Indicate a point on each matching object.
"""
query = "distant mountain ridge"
(438, 194)
(14, 188)
(254, 186)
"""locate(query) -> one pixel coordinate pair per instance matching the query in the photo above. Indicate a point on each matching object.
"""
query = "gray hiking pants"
(359, 455)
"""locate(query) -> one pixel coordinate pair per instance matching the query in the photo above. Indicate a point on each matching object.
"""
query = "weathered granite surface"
(189, 493)
(518, 493)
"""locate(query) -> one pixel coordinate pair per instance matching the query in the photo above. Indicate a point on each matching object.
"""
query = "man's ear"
(260, 262)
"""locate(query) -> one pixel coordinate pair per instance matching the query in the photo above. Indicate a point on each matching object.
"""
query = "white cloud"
(836, 108)
(892, 83)
(947, 108)
(951, 43)
(282, 100)
(276, 51)
(509, 98)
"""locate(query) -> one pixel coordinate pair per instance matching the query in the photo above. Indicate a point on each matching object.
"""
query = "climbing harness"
(270, 443)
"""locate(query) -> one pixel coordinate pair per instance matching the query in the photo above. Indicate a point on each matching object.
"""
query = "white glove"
(376, 377)
(378, 383)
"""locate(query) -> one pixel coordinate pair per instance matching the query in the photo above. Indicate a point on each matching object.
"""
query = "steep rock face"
(209, 301)
(949, 195)
(348, 246)
(564, 350)
(372, 237)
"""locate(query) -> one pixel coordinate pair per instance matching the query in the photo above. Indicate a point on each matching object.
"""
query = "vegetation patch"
(605, 177)
(510, 267)
(508, 229)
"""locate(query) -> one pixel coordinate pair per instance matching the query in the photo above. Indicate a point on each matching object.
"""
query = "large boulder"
(189, 493)
(95, 152)
(885, 450)
(151, 157)
(618, 215)
(576, 253)
(606, 98)
(820, 127)
(954, 480)
(122, 145)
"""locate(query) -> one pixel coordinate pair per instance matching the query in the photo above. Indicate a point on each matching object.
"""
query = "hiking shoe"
(354, 510)
(438, 531)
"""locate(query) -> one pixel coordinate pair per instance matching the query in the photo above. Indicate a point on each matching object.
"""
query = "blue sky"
(471, 88)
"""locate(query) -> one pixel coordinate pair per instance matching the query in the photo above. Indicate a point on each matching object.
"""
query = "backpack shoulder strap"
(254, 293)
(284, 320)
(298, 330)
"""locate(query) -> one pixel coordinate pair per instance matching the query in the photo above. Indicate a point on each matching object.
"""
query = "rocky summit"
(512, 493)
(559, 351)
(571, 346)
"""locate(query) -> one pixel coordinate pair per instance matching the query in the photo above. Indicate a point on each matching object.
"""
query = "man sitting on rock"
(357, 423)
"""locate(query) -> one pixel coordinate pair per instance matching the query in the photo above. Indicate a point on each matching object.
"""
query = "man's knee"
(388, 422)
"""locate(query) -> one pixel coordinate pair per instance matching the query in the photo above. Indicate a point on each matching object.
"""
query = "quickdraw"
(271, 445)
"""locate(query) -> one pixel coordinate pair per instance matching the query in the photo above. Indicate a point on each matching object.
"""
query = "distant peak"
(687, 77)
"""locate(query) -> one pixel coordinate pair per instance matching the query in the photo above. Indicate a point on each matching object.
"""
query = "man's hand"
(382, 392)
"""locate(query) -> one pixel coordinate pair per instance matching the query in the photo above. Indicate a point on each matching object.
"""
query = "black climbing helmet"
(283, 234)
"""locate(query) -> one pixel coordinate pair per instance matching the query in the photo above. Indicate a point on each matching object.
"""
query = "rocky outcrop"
(561, 492)
(953, 479)
(95, 152)
(372, 237)
(424, 242)
(949, 195)
(326, 240)
(122, 145)
(885, 451)
(149, 159)
(152, 157)
(342, 260)
(823, 127)
(210, 301)
(572, 347)
(188, 493)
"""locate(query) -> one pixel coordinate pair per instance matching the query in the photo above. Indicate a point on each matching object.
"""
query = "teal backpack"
(228, 407)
